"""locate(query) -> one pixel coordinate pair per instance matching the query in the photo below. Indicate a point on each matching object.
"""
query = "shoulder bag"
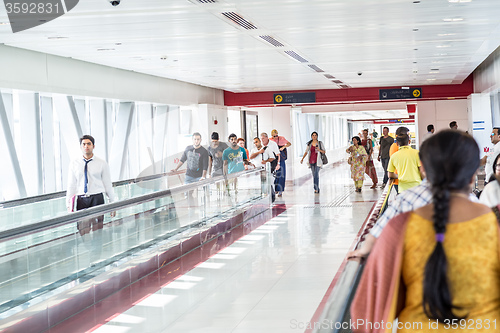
(324, 159)
(283, 153)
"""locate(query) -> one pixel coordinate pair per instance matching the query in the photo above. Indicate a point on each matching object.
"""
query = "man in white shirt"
(272, 150)
(487, 160)
(88, 179)
(258, 154)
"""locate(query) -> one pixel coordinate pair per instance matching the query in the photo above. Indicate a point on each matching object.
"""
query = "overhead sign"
(400, 93)
(294, 98)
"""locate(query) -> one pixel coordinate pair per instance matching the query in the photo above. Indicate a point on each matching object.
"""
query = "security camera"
(360, 73)
(114, 3)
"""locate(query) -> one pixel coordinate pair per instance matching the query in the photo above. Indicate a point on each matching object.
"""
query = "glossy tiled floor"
(271, 280)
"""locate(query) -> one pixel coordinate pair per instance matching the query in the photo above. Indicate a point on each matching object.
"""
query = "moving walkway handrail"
(111, 207)
(60, 194)
(336, 310)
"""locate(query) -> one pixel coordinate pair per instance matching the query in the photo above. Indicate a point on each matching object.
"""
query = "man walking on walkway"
(88, 179)
(234, 156)
(197, 160)
(407, 163)
(215, 164)
(383, 154)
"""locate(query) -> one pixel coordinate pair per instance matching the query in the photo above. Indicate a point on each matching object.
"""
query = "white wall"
(35, 71)
(275, 118)
(440, 114)
(219, 113)
(481, 121)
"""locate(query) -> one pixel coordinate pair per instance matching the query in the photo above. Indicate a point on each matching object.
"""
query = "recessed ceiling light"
(442, 46)
(163, 57)
(442, 35)
(453, 19)
(105, 49)
(459, 1)
(57, 37)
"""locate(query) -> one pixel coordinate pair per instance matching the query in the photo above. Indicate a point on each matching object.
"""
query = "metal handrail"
(111, 207)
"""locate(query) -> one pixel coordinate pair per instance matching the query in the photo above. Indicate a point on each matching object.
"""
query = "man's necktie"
(86, 181)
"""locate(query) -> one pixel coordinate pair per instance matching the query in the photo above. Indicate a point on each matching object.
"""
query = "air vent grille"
(337, 81)
(316, 68)
(295, 56)
(329, 76)
(343, 86)
(207, 1)
(272, 41)
(239, 20)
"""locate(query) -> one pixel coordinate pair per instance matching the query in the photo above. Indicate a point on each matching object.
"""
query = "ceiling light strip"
(272, 41)
(295, 56)
(315, 68)
(239, 20)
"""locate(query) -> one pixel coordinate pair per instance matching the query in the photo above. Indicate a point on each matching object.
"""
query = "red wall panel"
(336, 96)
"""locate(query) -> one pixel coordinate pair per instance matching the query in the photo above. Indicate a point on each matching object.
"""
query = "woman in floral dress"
(357, 160)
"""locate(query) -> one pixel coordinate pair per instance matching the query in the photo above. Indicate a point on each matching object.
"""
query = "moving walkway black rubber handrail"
(111, 207)
(60, 194)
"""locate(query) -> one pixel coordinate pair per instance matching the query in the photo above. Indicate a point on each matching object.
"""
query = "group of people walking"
(222, 159)
(89, 177)
(400, 162)
(434, 253)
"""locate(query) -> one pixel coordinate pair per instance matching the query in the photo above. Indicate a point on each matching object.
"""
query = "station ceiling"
(257, 45)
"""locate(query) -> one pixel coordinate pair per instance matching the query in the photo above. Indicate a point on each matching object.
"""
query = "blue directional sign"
(400, 93)
(294, 98)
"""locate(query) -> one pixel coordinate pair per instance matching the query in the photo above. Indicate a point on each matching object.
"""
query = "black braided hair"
(450, 159)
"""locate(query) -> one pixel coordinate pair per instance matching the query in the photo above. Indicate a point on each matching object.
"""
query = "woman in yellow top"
(437, 268)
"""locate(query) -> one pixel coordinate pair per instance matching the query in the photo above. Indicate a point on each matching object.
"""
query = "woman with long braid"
(436, 269)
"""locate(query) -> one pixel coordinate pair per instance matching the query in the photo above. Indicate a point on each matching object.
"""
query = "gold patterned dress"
(472, 252)
(358, 164)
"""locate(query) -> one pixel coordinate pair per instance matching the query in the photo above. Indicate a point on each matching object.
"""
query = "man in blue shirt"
(234, 156)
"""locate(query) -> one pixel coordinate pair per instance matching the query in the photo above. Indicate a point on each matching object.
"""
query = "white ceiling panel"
(392, 42)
